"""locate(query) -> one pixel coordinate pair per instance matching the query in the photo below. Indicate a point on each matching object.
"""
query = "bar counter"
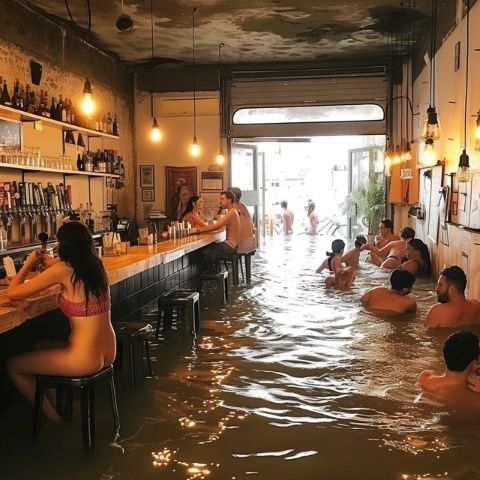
(140, 262)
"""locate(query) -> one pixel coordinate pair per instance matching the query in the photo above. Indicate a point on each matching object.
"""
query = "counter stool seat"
(131, 333)
(86, 385)
(183, 301)
(222, 281)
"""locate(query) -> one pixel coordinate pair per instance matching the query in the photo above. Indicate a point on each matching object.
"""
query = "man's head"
(406, 233)
(386, 226)
(402, 281)
(237, 192)
(452, 281)
(360, 240)
(284, 204)
(226, 198)
(460, 350)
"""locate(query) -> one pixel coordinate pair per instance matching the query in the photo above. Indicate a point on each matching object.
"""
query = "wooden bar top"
(136, 260)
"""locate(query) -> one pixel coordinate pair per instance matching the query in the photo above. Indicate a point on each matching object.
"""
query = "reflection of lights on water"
(193, 470)
(415, 445)
(162, 458)
(424, 476)
(198, 470)
(187, 422)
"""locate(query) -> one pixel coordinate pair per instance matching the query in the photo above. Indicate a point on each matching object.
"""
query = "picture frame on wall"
(148, 195)
(180, 185)
(147, 176)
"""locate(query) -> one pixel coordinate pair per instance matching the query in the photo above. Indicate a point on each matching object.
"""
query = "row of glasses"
(31, 157)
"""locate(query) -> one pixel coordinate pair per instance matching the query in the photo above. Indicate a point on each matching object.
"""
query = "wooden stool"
(222, 281)
(236, 259)
(187, 300)
(131, 333)
(86, 385)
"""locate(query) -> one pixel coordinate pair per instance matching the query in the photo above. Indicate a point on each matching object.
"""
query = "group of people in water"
(408, 258)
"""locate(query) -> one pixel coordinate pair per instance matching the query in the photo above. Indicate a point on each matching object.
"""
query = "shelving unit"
(25, 168)
(9, 113)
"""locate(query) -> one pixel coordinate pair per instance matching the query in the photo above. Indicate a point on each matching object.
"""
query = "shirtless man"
(287, 218)
(394, 300)
(394, 251)
(453, 308)
(246, 243)
(350, 257)
(461, 351)
(385, 233)
(231, 221)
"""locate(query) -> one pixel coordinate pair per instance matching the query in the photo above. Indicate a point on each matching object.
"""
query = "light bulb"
(431, 126)
(194, 148)
(463, 172)
(396, 156)
(477, 131)
(429, 156)
(220, 158)
(155, 133)
(87, 105)
(388, 164)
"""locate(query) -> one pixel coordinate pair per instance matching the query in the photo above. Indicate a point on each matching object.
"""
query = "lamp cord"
(220, 46)
(466, 77)
(194, 75)
(89, 15)
(433, 41)
(152, 111)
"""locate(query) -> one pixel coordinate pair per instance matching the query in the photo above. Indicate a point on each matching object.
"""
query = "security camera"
(124, 23)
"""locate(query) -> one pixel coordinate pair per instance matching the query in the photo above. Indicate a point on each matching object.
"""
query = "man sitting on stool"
(219, 251)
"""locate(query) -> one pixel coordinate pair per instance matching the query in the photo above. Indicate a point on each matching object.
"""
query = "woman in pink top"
(84, 298)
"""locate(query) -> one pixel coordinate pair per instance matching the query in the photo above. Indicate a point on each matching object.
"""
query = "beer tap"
(43, 208)
(15, 197)
(22, 212)
(53, 208)
(8, 202)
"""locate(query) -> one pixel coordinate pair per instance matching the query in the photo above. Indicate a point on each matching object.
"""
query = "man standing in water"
(453, 308)
(461, 351)
(218, 251)
(394, 300)
(287, 218)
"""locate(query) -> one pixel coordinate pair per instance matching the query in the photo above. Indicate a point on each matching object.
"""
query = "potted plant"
(369, 201)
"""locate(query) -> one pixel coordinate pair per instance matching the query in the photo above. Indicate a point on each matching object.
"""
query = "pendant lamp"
(194, 148)
(155, 132)
(220, 156)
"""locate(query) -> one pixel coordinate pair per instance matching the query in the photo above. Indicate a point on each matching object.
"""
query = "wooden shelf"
(25, 168)
(10, 113)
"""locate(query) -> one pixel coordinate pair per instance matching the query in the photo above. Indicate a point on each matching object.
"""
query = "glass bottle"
(5, 97)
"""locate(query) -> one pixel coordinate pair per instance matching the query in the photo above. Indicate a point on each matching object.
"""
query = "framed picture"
(147, 178)
(148, 195)
(180, 185)
(212, 180)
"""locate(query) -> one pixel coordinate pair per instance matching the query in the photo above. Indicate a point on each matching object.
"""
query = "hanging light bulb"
(155, 133)
(396, 156)
(194, 148)
(388, 165)
(408, 153)
(431, 126)
(87, 104)
(477, 133)
(220, 157)
(429, 156)
(463, 172)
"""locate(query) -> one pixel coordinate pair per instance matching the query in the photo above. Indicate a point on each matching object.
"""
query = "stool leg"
(190, 317)
(248, 268)
(37, 410)
(113, 400)
(221, 287)
(235, 270)
(241, 268)
(132, 363)
(197, 316)
(147, 354)
(159, 319)
(225, 286)
(87, 406)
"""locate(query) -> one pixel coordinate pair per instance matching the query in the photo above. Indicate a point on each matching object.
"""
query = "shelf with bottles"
(10, 113)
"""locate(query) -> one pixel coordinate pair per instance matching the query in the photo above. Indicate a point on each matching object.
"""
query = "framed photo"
(180, 185)
(212, 180)
(147, 179)
(148, 195)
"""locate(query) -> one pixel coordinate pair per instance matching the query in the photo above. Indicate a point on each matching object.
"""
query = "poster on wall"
(180, 185)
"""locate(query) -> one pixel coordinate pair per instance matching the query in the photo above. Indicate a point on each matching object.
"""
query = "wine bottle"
(53, 109)
(80, 164)
(58, 110)
(5, 97)
(15, 100)
(115, 125)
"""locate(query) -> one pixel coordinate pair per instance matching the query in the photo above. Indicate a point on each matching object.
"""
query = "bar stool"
(183, 301)
(131, 333)
(222, 283)
(236, 259)
(86, 385)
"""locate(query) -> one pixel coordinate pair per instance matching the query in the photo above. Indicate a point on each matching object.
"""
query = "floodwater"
(288, 381)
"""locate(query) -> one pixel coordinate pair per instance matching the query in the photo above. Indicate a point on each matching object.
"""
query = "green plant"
(369, 200)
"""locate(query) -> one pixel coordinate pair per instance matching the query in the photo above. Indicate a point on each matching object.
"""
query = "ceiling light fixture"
(220, 156)
(194, 148)
(431, 127)
(124, 22)
(463, 172)
(155, 133)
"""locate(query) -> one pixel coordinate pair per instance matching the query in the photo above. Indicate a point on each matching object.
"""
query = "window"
(309, 114)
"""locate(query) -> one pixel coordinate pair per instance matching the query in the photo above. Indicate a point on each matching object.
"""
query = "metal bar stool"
(222, 283)
(184, 301)
(86, 385)
(131, 333)
(236, 260)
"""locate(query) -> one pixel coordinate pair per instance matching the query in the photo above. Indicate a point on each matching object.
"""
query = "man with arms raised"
(394, 300)
(231, 222)
(453, 308)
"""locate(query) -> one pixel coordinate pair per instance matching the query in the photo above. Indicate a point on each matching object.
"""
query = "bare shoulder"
(434, 315)
(425, 379)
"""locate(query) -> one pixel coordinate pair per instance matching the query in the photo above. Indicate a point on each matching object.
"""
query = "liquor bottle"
(46, 111)
(53, 109)
(21, 96)
(5, 97)
(26, 105)
(58, 110)
(33, 102)
(80, 164)
(64, 112)
(41, 106)
(109, 124)
(115, 125)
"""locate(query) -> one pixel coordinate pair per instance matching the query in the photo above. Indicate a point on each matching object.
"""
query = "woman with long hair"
(193, 213)
(84, 298)
(418, 258)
